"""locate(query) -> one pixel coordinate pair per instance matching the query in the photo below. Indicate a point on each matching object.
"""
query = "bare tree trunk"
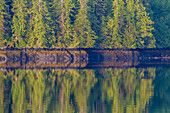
(82, 3)
(30, 8)
(62, 17)
(39, 5)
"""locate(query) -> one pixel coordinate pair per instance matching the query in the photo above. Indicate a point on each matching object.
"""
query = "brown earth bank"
(82, 58)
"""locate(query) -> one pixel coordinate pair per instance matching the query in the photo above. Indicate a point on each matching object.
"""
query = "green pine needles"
(130, 26)
(80, 24)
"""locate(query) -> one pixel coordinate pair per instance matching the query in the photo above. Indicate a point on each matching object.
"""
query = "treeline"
(83, 23)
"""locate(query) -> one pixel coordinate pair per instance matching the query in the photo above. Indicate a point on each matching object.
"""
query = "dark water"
(118, 90)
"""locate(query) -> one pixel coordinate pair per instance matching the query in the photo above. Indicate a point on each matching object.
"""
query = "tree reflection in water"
(77, 91)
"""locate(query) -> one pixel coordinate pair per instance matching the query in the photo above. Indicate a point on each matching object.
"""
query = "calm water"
(126, 90)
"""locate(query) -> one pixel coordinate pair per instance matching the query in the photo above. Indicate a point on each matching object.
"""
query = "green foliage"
(97, 9)
(129, 38)
(129, 25)
(144, 28)
(159, 10)
(85, 23)
(85, 36)
(40, 34)
(2, 29)
(113, 35)
(65, 37)
(5, 24)
(19, 23)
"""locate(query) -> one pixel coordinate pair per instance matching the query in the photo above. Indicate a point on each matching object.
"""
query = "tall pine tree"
(19, 22)
(84, 35)
(129, 35)
(65, 38)
(97, 10)
(160, 14)
(113, 36)
(144, 27)
(129, 26)
(2, 27)
(40, 34)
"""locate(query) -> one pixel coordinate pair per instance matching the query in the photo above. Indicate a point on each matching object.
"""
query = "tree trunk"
(62, 17)
(39, 5)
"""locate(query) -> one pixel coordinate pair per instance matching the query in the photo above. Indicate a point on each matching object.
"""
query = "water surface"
(103, 90)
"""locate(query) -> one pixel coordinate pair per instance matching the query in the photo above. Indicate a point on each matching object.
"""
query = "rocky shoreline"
(82, 58)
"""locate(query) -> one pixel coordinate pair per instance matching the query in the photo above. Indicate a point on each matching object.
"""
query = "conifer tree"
(104, 33)
(37, 35)
(128, 26)
(94, 15)
(114, 26)
(129, 39)
(138, 28)
(144, 27)
(50, 33)
(83, 23)
(2, 27)
(55, 11)
(98, 10)
(65, 38)
(42, 35)
(19, 22)
(5, 22)
(159, 11)
(85, 36)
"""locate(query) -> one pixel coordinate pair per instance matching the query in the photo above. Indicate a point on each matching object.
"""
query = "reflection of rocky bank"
(83, 58)
(43, 59)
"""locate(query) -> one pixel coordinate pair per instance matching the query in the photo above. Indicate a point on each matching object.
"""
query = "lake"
(98, 90)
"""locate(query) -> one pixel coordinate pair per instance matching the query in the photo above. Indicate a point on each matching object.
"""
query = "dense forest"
(85, 23)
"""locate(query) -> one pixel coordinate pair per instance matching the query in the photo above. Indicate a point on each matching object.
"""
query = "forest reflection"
(77, 91)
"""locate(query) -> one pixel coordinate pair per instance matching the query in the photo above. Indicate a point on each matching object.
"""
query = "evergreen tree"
(144, 27)
(129, 27)
(19, 22)
(55, 11)
(65, 38)
(84, 35)
(2, 27)
(129, 35)
(159, 10)
(50, 33)
(5, 23)
(97, 10)
(7, 39)
(113, 36)
(104, 33)
(40, 34)
(84, 23)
